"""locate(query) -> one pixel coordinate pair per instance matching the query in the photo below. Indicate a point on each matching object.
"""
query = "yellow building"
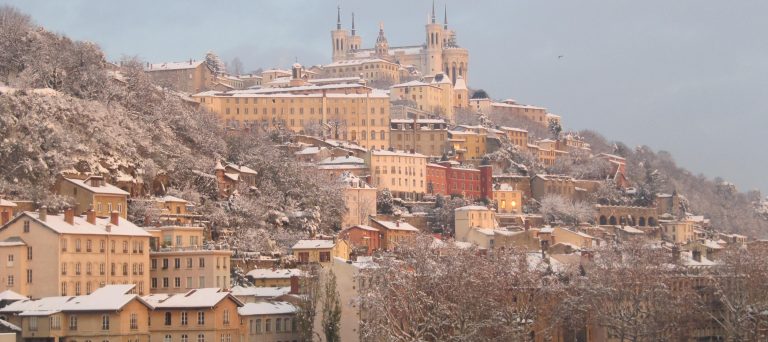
(372, 70)
(678, 232)
(94, 192)
(468, 142)
(359, 199)
(73, 255)
(320, 251)
(263, 277)
(431, 97)
(508, 199)
(350, 112)
(394, 233)
(513, 109)
(269, 322)
(190, 77)
(426, 136)
(179, 261)
(517, 136)
(404, 174)
(476, 224)
(174, 210)
(199, 315)
(7, 209)
(111, 313)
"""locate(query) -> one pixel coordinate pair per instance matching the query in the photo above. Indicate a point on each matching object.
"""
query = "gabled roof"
(197, 298)
(394, 225)
(363, 227)
(4, 203)
(261, 292)
(266, 273)
(10, 295)
(267, 308)
(106, 189)
(472, 208)
(314, 244)
(81, 226)
(174, 66)
(107, 298)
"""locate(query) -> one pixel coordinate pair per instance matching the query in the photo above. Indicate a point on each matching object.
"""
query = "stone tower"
(434, 51)
(355, 41)
(382, 46)
(339, 39)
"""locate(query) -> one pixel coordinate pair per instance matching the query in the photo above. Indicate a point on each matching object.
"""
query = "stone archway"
(612, 220)
(603, 220)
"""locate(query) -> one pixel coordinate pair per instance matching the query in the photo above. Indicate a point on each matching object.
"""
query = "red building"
(362, 238)
(450, 178)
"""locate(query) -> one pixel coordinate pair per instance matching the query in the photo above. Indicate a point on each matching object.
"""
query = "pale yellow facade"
(215, 323)
(369, 69)
(94, 193)
(356, 114)
(508, 200)
(678, 232)
(320, 251)
(404, 174)
(426, 136)
(360, 201)
(468, 145)
(435, 98)
(63, 262)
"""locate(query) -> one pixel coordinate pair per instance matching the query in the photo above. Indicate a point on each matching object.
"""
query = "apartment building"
(198, 315)
(268, 321)
(403, 173)
(93, 192)
(66, 255)
(425, 136)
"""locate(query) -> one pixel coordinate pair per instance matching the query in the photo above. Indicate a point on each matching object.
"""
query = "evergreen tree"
(331, 310)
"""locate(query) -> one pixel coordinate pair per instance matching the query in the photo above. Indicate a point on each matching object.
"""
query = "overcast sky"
(686, 76)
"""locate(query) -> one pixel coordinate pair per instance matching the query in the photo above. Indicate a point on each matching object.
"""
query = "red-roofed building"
(362, 238)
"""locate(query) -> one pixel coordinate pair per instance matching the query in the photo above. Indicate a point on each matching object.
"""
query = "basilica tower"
(339, 39)
(434, 51)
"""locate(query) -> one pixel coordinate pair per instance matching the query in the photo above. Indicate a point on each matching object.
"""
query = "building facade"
(426, 136)
(404, 174)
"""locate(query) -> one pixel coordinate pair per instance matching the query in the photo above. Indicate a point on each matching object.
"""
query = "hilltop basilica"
(438, 54)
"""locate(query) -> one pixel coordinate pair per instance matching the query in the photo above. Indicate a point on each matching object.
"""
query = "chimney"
(43, 213)
(108, 228)
(69, 216)
(675, 254)
(294, 285)
(90, 216)
(397, 223)
(5, 216)
(114, 218)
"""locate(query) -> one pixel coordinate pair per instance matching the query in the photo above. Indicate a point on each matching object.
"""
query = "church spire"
(338, 17)
(353, 23)
(433, 11)
(445, 18)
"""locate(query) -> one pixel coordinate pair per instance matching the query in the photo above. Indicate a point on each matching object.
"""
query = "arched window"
(612, 220)
(603, 220)
(363, 135)
(651, 221)
(641, 221)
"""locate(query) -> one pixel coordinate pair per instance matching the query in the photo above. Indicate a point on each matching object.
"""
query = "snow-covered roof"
(4, 203)
(350, 62)
(81, 226)
(396, 153)
(266, 308)
(509, 105)
(414, 83)
(341, 160)
(9, 325)
(397, 225)
(172, 199)
(12, 241)
(10, 295)
(310, 150)
(261, 292)
(363, 227)
(106, 189)
(314, 244)
(266, 273)
(107, 298)
(174, 66)
(472, 208)
(197, 298)
(546, 230)
(460, 84)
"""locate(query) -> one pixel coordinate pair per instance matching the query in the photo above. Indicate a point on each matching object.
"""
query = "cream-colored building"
(269, 322)
(476, 224)
(434, 97)
(517, 136)
(468, 142)
(426, 136)
(190, 77)
(94, 192)
(350, 112)
(359, 199)
(179, 261)
(404, 174)
(320, 251)
(199, 315)
(74, 255)
(112, 313)
(394, 233)
(371, 70)
(508, 199)
(264, 277)
(677, 232)
(513, 109)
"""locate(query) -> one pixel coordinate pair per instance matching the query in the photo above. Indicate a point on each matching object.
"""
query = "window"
(268, 326)
(55, 322)
(258, 326)
(125, 246)
(165, 282)
(165, 263)
(167, 337)
(10, 258)
(77, 268)
(88, 245)
(29, 276)
(176, 263)
(177, 282)
(105, 322)
(226, 317)
(63, 245)
(201, 284)
(278, 323)
(10, 281)
(63, 268)
(200, 337)
(102, 268)
(77, 245)
(189, 282)
(184, 318)
(72, 322)
(33, 323)
(88, 268)
(189, 262)
(29, 253)
(134, 321)
(153, 283)
(184, 338)
(200, 317)
(202, 262)
(167, 318)
(153, 264)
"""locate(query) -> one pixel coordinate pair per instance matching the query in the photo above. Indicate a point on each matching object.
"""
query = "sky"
(686, 76)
